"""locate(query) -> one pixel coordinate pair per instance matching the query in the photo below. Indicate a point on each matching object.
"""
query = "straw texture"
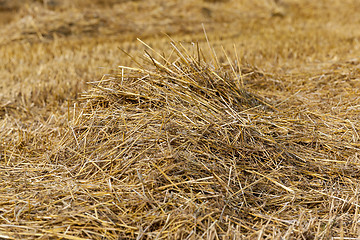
(248, 134)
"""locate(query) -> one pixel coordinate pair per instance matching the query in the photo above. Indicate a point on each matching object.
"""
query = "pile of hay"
(185, 143)
(181, 148)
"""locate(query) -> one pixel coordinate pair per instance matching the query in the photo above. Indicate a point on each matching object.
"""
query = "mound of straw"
(186, 143)
(181, 148)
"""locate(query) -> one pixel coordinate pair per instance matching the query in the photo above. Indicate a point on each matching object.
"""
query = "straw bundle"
(189, 152)
(190, 144)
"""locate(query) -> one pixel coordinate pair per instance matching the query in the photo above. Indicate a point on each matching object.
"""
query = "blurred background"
(49, 49)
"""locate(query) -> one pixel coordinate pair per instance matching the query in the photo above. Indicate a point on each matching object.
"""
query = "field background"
(299, 58)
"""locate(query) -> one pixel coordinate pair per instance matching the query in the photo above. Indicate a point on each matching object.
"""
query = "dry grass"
(258, 138)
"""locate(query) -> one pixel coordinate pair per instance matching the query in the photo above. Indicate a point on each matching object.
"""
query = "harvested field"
(206, 119)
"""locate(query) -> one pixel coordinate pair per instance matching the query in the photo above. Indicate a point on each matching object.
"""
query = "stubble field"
(203, 119)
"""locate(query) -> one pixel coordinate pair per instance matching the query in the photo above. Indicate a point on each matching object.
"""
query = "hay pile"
(181, 148)
(184, 143)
